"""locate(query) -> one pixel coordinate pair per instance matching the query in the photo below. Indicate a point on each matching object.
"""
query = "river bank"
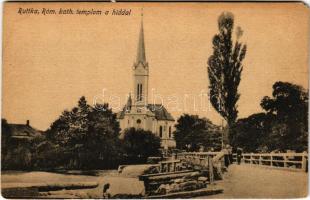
(67, 184)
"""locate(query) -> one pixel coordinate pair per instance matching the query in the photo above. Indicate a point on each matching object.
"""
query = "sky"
(50, 61)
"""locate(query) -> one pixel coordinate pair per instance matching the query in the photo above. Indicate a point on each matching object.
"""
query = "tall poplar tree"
(225, 68)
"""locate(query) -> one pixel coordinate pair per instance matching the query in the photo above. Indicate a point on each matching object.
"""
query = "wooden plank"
(170, 161)
(171, 176)
(160, 176)
(275, 154)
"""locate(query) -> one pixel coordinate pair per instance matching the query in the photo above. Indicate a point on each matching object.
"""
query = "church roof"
(159, 110)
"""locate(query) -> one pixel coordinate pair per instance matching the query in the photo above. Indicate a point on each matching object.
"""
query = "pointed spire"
(129, 103)
(141, 47)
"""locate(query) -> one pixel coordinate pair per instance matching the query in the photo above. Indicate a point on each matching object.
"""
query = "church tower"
(137, 113)
(140, 73)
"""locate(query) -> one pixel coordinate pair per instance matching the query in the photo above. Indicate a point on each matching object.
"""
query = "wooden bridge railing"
(169, 165)
(292, 161)
(198, 154)
(203, 160)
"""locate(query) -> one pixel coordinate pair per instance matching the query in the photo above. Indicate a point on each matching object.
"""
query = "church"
(137, 112)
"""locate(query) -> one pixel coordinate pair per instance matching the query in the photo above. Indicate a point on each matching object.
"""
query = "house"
(16, 145)
(23, 132)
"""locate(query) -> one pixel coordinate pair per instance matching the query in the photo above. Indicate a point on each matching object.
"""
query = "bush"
(139, 145)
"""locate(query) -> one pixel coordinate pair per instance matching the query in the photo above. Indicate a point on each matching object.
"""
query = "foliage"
(283, 127)
(47, 155)
(89, 136)
(140, 144)
(289, 103)
(85, 137)
(193, 132)
(251, 133)
(225, 68)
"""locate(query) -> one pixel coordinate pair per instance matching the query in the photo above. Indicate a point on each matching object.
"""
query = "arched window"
(138, 121)
(169, 131)
(139, 92)
(160, 131)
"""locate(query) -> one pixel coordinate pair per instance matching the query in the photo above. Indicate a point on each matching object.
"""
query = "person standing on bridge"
(226, 156)
(230, 155)
(239, 155)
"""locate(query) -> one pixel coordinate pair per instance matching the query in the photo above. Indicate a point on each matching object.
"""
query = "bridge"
(266, 175)
(250, 181)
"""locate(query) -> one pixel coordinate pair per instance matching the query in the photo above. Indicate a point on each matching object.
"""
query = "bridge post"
(304, 162)
(285, 161)
(271, 160)
(210, 165)
(174, 166)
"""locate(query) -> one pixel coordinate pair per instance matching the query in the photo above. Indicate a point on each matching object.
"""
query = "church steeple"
(141, 46)
(140, 72)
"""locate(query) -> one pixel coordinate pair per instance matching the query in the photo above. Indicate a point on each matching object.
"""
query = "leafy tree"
(284, 126)
(47, 155)
(140, 144)
(70, 131)
(89, 136)
(252, 133)
(225, 68)
(103, 142)
(289, 103)
(193, 132)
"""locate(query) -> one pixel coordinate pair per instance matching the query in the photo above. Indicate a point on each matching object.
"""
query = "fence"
(169, 166)
(197, 154)
(291, 161)
(203, 160)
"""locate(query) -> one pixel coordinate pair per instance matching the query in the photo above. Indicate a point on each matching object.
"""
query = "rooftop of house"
(24, 131)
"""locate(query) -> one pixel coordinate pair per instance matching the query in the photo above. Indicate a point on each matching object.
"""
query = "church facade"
(138, 113)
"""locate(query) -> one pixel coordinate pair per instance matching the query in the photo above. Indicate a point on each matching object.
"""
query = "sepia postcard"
(155, 100)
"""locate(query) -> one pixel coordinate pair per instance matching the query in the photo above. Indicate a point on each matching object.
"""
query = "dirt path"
(245, 181)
